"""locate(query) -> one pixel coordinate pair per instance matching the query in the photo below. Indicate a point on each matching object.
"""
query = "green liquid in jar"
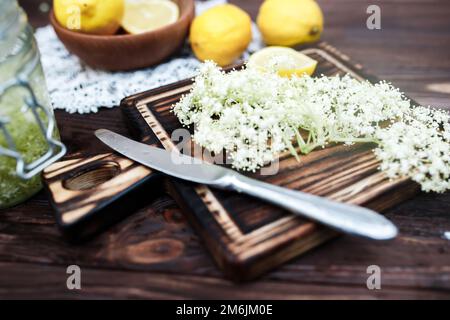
(22, 125)
(29, 142)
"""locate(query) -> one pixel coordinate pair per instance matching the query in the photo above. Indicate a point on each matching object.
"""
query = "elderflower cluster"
(418, 147)
(254, 116)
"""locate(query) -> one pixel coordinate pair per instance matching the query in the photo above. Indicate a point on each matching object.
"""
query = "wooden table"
(155, 254)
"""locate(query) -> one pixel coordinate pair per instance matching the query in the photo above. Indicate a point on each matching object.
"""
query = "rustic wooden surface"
(155, 254)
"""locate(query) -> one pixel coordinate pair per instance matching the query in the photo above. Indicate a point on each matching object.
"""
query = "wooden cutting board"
(247, 236)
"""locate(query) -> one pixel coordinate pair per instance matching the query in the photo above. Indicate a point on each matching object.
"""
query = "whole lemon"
(90, 16)
(290, 22)
(221, 34)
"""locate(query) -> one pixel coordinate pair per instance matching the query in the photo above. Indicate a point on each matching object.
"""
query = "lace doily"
(76, 87)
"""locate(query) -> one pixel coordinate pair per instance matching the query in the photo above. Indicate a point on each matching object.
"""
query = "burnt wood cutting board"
(246, 236)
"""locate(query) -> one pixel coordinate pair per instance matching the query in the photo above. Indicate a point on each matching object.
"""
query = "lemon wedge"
(147, 15)
(285, 61)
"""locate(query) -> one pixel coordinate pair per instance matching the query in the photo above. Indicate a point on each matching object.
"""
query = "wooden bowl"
(126, 51)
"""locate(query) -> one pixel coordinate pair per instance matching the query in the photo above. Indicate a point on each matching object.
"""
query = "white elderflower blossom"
(254, 116)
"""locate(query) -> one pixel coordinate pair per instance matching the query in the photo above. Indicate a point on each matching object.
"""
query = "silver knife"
(343, 217)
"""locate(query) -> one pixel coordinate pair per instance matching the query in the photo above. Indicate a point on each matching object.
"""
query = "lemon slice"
(285, 61)
(147, 15)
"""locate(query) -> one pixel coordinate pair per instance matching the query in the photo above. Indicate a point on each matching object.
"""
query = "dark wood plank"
(411, 51)
(117, 284)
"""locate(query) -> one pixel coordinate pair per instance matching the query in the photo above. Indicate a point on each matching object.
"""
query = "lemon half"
(285, 61)
(147, 15)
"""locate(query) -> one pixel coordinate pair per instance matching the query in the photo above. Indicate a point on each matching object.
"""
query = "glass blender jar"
(29, 139)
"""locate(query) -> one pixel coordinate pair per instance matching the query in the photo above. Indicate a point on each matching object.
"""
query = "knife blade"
(343, 217)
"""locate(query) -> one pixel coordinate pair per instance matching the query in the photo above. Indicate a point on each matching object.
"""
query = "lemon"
(285, 61)
(290, 22)
(89, 16)
(147, 15)
(221, 34)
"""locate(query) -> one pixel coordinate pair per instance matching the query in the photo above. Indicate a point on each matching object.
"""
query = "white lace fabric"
(77, 88)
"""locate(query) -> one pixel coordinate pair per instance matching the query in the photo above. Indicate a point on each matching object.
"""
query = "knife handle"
(340, 216)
